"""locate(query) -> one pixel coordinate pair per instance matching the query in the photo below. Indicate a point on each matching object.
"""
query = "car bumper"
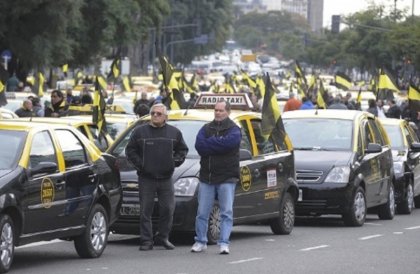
(324, 199)
(128, 221)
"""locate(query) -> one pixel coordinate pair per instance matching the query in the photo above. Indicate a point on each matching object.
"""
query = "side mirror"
(244, 154)
(44, 167)
(373, 148)
(415, 147)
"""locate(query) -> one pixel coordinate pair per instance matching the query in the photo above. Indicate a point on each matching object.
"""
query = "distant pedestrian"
(307, 103)
(394, 111)
(37, 108)
(292, 103)
(25, 110)
(58, 107)
(12, 83)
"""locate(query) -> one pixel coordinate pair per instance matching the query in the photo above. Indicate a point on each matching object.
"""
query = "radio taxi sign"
(238, 101)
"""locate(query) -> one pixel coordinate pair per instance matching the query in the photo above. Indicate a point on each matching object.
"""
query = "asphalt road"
(318, 245)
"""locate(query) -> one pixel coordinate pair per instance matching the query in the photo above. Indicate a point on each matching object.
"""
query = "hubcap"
(98, 231)
(214, 223)
(359, 206)
(391, 200)
(6, 244)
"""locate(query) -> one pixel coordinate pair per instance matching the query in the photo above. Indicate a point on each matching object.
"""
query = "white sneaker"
(224, 249)
(198, 247)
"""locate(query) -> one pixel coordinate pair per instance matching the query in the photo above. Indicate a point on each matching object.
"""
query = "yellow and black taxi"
(406, 155)
(343, 164)
(54, 183)
(267, 190)
(116, 123)
(83, 123)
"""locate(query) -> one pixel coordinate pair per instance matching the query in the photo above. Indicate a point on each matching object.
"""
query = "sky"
(345, 7)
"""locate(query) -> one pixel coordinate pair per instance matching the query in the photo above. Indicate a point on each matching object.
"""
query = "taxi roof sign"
(239, 101)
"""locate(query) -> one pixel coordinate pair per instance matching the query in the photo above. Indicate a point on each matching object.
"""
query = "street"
(316, 245)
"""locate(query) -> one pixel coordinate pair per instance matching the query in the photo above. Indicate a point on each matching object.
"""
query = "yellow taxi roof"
(392, 121)
(62, 120)
(22, 125)
(202, 114)
(326, 113)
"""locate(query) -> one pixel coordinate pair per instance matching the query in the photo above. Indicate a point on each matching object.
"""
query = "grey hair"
(165, 109)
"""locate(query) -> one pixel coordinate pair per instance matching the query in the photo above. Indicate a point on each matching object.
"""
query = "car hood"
(189, 168)
(4, 172)
(321, 160)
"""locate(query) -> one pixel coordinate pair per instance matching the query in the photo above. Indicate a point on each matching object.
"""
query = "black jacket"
(156, 151)
(218, 145)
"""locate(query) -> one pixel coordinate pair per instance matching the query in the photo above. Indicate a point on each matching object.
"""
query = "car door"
(413, 158)
(80, 177)
(44, 193)
(260, 188)
(370, 168)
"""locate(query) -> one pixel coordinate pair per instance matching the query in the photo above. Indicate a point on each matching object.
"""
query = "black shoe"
(146, 247)
(165, 243)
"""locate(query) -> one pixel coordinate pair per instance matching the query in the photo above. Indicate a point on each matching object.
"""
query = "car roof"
(61, 120)
(202, 114)
(22, 125)
(392, 121)
(327, 114)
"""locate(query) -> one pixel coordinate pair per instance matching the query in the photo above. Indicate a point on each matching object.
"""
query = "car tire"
(407, 204)
(417, 202)
(387, 210)
(284, 223)
(7, 242)
(93, 241)
(213, 232)
(356, 214)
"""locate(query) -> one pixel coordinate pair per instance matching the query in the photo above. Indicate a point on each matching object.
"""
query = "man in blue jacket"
(155, 149)
(218, 145)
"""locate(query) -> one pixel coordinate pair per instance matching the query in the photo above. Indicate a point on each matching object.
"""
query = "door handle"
(92, 177)
(257, 173)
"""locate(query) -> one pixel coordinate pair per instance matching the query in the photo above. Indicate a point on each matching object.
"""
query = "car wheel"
(283, 224)
(213, 233)
(356, 214)
(407, 204)
(93, 241)
(387, 210)
(417, 202)
(7, 243)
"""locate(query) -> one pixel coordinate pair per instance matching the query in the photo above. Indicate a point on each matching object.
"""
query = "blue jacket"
(307, 105)
(218, 145)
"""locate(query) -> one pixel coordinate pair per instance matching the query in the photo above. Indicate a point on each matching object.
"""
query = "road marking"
(373, 224)
(398, 232)
(314, 247)
(270, 240)
(413, 227)
(246, 260)
(370, 237)
(40, 243)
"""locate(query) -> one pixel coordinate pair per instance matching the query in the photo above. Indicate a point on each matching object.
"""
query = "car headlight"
(186, 186)
(398, 169)
(339, 174)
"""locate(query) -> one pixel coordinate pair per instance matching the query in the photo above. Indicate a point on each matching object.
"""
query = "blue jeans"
(225, 194)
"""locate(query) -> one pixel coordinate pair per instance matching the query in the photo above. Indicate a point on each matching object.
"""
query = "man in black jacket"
(155, 149)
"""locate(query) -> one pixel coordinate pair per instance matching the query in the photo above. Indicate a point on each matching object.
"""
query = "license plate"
(300, 195)
(130, 210)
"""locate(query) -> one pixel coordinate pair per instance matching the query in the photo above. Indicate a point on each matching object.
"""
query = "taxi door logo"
(245, 178)
(47, 192)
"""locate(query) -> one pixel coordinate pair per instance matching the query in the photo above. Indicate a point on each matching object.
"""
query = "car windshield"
(319, 134)
(11, 147)
(115, 129)
(189, 131)
(395, 136)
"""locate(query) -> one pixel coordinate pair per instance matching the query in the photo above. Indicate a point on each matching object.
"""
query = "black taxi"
(406, 155)
(54, 183)
(267, 190)
(343, 164)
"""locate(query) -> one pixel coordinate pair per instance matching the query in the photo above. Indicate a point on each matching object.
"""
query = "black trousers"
(148, 189)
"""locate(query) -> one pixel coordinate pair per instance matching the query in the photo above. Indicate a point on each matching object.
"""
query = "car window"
(377, 135)
(98, 137)
(332, 134)
(73, 151)
(114, 129)
(11, 147)
(264, 142)
(408, 136)
(42, 150)
(368, 134)
(246, 139)
(395, 136)
(413, 134)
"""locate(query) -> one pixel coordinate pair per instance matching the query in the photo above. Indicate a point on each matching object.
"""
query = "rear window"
(11, 147)
(395, 136)
(329, 134)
